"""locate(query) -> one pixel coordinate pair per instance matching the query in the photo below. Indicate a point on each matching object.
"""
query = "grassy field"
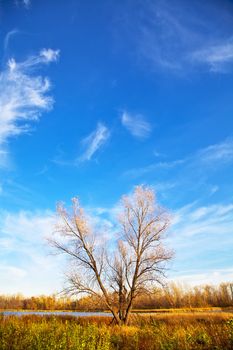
(181, 310)
(164, 332)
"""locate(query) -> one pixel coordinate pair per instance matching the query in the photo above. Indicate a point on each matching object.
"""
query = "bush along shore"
(162, 332)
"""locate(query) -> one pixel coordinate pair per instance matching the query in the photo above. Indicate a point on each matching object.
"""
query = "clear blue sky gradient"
(142, 94)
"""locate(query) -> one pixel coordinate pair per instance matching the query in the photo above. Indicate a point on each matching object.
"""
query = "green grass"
(158, 332)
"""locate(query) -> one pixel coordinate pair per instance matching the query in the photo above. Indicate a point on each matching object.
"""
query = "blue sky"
(99, 96)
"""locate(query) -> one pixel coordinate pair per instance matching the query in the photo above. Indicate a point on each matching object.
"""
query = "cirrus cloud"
(136, 125)
(23, 95)
(94, 141)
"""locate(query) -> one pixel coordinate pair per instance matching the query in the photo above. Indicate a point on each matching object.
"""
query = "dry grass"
(181, 318)
(207, 331)
(179, 310)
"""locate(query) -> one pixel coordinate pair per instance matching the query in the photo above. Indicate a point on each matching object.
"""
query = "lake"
(55, 313)
(86, 314)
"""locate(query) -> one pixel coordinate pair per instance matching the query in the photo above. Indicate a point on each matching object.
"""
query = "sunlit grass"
(183, 309)
(157, 332)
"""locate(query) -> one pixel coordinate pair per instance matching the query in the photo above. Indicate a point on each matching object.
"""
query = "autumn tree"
(139, 260)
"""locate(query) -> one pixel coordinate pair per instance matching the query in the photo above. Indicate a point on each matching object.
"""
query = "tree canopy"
(138, 262)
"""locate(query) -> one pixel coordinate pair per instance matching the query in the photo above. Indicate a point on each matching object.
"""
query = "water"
(85, 314)
(55, 313)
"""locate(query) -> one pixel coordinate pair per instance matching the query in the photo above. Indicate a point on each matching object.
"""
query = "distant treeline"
(173, 296)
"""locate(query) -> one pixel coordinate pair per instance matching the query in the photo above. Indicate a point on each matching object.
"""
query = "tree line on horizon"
(173, 296)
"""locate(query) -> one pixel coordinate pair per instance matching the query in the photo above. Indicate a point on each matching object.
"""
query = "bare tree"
(139, 260)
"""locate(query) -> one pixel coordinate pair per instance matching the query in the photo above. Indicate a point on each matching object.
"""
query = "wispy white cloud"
(221, 152)
(93, 142)
(138, 172)
(202, 239)
(179, 36)
(217, 57)
(49, 55)
(45, 56)
(26, 265)
(213, 155)
(136, 125)
(206, 276)
(192, 221)
(8, 37)
(163, 186)
(23, 96)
